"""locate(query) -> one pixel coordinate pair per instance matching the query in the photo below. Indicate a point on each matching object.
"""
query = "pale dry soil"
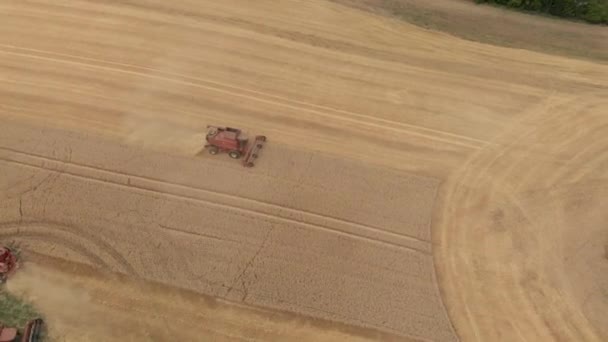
(71, 296)
(414, 184)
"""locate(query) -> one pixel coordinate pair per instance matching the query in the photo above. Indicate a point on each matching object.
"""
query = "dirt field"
(414, 184)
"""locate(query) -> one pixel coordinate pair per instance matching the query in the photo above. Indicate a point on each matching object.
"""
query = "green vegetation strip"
(593, 11)
(14, 312)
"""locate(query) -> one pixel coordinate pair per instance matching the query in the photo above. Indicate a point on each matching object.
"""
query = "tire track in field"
(489, 196)
(217, 199)
(254, 95)
(35, 234)
(456, 196)
(71, 237)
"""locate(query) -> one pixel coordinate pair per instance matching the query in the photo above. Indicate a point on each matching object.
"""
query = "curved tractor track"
(82, 244)
(415, 183)
(533, 243)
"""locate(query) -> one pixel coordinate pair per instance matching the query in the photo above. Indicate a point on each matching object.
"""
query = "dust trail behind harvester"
(153, 127)
(67, 306)
(79, 305)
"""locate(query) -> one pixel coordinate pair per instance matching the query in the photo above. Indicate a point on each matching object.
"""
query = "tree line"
(593, 11)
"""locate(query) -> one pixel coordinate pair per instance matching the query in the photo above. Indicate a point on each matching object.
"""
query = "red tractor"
(235, 143)
(8, 263)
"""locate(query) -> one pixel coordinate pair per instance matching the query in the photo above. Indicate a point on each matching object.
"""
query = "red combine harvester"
(31, 332)
(8, 263)
(235, 143)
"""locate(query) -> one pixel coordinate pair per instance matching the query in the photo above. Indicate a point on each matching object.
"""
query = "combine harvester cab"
(235, 143)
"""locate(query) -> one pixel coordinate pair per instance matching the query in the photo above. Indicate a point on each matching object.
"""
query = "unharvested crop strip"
(149, 185)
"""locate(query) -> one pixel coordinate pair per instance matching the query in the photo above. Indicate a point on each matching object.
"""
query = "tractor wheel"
(235, 154)
(213, 150)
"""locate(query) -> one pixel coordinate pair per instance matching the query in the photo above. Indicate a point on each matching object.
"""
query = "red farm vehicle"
(234, 142)
(31, 332)
(8, 334)
(8, 263)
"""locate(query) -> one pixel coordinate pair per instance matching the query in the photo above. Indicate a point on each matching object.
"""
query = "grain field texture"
(72, 296)
(415, 185)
